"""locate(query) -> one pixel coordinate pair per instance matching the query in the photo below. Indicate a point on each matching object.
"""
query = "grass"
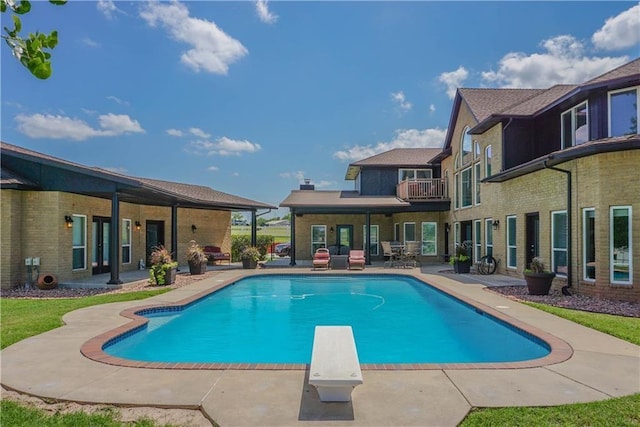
(619, 412)
(21, 319)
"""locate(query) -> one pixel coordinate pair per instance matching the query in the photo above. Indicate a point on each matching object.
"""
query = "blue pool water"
(271, 319)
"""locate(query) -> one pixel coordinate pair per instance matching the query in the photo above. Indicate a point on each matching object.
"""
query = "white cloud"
(213, 168)
(298, 175)
(174, 132)
(563, 61)
(619, 32)
(400, 101)
(212, 49)
(432, 108)
(117, 100)
(62, 127)
(199, 133)
(265, 15)
(403, 138)
(87, 41)
(108, 8)
(453, 80)
(223, 146)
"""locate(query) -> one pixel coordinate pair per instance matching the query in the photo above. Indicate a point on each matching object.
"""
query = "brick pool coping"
(560, 351)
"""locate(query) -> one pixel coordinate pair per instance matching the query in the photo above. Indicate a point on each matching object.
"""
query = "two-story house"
(399, 195)
(551, 173)
(522, 173)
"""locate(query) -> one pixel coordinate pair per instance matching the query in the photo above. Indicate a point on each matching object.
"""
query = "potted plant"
(196, 258)
(250, 257)
(163, 269)
(461, 261)
(538, 278)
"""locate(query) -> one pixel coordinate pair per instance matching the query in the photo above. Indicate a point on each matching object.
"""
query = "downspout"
(569, 234)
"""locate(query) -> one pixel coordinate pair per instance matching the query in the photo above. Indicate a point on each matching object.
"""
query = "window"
(559, 242)
(621, 247)
(589, 242)
(466, 188)
(476, 151)
(79, 242)
(413, 174)
(477, 240)
(429, 238)
(488, 236)
(575, 126)
(396, 232)
(466, 146)
(623, 112)
(409, 232)
(487, 161)
(477, 179)
(126, 241)
(456, 183)
(318, 237)
(373, 248)
(512, 259)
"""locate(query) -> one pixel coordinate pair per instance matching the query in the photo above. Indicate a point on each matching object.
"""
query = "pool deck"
(51, 366)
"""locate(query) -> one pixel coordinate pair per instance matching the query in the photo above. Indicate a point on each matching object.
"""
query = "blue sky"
(250, 98)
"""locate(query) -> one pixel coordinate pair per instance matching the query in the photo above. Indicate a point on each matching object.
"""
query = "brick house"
(526, 172)
(62, 213)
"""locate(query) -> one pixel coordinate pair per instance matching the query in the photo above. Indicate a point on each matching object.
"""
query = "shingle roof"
(401, 157)
(195, 194)
(485, 102)
(538, 102)
(626, 70)
(334, 199)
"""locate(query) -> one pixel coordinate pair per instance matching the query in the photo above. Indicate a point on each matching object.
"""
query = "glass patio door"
(100, 235)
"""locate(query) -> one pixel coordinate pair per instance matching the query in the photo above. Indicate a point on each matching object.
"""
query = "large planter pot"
(169, 277)
(249, 264)
(197, 268)
(47, 281)
(462, 267)
(539, 283)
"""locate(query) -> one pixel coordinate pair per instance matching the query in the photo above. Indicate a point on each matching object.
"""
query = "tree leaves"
(31, 52)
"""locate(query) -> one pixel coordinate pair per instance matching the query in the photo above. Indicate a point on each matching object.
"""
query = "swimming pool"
(271, 318)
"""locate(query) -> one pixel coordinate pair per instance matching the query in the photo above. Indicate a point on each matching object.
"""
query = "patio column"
(254, 228)
(114, 241)
(174, 231)
(367, 244)
(292, 251)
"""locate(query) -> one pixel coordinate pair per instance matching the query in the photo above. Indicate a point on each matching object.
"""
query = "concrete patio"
(50, 365)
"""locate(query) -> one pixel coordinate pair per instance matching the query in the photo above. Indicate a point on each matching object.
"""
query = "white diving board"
(335, 368)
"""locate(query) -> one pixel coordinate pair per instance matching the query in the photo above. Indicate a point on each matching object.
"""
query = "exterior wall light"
(69, 221)
(138, 225)
(495, 224)
(193, 228)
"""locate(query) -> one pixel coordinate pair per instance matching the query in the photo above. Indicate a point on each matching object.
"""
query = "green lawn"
(20, 319)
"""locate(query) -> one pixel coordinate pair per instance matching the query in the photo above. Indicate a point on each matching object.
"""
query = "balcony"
(422, 190)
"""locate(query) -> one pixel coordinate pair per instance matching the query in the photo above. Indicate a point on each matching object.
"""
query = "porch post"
(292, 251)
(114, 241)
(367, 244)
(254, 228)
(174, 232)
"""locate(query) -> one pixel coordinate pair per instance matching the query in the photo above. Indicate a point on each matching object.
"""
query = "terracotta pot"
(539, 283)
(47, 281)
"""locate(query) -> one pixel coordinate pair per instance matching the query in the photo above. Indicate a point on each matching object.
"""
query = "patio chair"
(390, 256)
(411, 254)
(356, 259)
(321, 258)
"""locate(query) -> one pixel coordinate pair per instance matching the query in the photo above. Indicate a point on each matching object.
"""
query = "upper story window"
(413, 174)
(487, 161)
(623, 112)
(575, 126)
(466, 146)
(476, 148)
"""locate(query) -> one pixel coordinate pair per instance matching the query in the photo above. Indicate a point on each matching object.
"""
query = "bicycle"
(487, 265)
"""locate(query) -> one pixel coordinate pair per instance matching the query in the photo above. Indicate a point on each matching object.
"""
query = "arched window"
(487, 161)
(466, 146)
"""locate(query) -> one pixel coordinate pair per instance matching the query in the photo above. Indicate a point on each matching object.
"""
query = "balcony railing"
(422, 189)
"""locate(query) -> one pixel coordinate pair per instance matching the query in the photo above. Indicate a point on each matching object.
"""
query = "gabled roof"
(27, 167)
(397, 157)
(490, 106)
